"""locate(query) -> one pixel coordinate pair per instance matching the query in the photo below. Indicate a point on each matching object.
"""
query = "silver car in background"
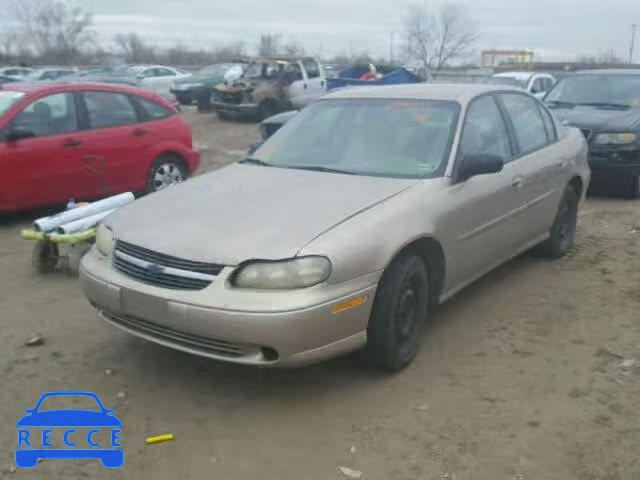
(341, 231)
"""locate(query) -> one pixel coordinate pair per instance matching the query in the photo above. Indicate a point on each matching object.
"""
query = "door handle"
(517, 182)
(305, 86)
(322, 83)
(139, 132)
(72, 142)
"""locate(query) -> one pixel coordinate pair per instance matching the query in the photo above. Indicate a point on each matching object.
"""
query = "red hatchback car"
(84, 141)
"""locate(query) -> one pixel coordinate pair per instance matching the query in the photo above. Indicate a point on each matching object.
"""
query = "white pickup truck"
(269, 86)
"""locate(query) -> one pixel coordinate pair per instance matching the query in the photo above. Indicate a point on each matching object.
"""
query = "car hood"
(69, 418)
(245, 212)
(599, 118)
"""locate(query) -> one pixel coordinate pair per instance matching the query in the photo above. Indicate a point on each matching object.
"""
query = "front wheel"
(633, 188)
(166, 171)
(399, 310)
(563, 230)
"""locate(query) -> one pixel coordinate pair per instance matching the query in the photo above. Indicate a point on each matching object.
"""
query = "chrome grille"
(160, 332)
(587, 132)
(163, 270)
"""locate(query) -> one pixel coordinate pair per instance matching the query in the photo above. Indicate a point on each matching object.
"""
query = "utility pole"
(391, 49)
(633, 42)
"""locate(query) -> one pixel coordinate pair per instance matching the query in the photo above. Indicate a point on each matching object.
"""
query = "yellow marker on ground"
(159, 438)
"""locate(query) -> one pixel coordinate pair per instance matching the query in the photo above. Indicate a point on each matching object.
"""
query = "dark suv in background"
(605, 105)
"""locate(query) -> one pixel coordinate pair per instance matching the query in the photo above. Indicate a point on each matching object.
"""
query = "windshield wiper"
(621, 106)
(256, 161)
(559, 103)
(318, 168)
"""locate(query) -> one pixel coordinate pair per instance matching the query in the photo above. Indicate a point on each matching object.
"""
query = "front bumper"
(615, 161)
(236, 109)
(279, 329)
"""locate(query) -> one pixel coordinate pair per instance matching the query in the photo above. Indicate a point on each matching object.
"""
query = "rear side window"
(50, 115)
(549, 125)
(106, 109)
(313, 71)
(485, 131)
(153, 110)
(529, 127)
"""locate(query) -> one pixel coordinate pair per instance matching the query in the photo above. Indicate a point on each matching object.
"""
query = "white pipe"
(84, 223)
(48, 224)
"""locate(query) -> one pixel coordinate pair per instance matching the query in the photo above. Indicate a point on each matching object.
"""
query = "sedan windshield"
(381, 137)
(7, 99)
(604, 89)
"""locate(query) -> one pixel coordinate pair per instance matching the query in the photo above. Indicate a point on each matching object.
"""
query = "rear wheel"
(563, 230)
(166, 171)
(399, 310)
(266, 109)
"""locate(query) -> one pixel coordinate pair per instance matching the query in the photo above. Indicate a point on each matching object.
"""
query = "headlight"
(286, 274)
(615, 138)
(104, 240)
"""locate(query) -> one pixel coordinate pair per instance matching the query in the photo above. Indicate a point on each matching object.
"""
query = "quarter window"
(154, 110)
(107, 109)
(51, 115)
(529, 127)
(485, 131)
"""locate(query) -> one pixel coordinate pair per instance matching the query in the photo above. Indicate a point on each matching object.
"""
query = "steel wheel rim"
(166, 175)
(406, 311)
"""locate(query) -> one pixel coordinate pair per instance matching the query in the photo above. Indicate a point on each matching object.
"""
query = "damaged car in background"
(199, 86)
(345, 228)
(269, 86)
(605, 105)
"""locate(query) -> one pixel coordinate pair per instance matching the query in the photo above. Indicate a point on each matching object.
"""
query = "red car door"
(116, 142)
(44, 166)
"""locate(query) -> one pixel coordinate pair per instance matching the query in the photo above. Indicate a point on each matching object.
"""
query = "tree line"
(435, 33)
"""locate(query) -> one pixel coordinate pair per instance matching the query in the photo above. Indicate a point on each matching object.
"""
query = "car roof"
(62, 86)
(516, 75)
(609, 71)
(459, 92)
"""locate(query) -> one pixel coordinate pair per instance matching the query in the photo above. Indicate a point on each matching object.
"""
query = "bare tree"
(134, 48)
(268, 45)
(54, 29)
(437, 33)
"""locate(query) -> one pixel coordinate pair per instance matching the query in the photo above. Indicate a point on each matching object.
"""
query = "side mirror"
(19, 133)
(255, 146)
(479, 164)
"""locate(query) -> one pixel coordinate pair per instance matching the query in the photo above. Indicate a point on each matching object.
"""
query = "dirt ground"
(532, 373)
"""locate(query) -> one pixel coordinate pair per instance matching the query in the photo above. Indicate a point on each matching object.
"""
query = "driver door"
(484, 223)
(296, 91)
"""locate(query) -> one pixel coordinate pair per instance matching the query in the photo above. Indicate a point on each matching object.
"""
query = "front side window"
(538, 86)
(50, 115)
(378, 137)
(529, 127)
(106, 109)
(485, 132)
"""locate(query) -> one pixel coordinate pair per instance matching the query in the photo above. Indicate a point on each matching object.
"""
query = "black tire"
(563, 231)
(266, 109)
(633, 189)
(166, 170)
(223, 116)
(399, 311)
(44, 257)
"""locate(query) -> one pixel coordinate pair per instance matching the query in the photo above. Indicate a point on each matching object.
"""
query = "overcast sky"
(554, 29)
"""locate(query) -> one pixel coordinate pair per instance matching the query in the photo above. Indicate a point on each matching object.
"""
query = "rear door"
(115, 141)
(47, 168)
(485, 222)
(538, 162)
(315, 81)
